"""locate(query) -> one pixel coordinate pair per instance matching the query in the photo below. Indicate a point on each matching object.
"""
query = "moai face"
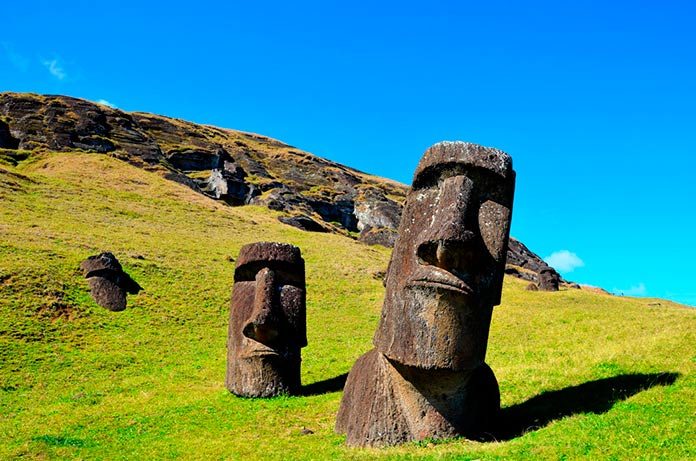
(446, 270)
(108, 284)
(267, 321)
(548, 279)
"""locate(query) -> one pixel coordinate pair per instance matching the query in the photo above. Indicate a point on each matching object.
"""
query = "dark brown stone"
(378, 236)
(6, 139)
(108, 283)
(548, 279)
(267, 325)
(303, 222)
(532, 287)
(426, 377)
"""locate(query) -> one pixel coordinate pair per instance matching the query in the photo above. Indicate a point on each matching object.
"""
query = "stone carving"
(267, 325)
(426, 376)
(108, 283)
(548, 279)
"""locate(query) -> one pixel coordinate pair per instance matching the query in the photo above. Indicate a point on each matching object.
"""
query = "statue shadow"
(326, 386)
(592, 397)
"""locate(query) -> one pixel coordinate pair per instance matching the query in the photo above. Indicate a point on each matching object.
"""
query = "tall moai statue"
(267, 326)
(426, 376)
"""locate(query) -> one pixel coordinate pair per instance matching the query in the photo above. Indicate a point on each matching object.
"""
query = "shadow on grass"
(591, 397)
(324, 387)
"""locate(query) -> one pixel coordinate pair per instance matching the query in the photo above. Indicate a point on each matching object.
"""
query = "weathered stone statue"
(426, 376)
(267, 321)
(548, 279)
(108, 283)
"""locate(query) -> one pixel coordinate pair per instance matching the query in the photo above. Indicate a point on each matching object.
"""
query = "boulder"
(548, 279)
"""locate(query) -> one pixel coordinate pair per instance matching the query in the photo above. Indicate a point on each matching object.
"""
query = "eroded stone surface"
(267, 327)
(426, 377)
(548, 279)
(109, 285)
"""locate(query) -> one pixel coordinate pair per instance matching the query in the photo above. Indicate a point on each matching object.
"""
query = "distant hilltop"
(239, 168)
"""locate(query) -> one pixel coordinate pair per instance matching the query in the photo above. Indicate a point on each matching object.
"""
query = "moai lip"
(109, 285)
(267, 324)
(427, 376)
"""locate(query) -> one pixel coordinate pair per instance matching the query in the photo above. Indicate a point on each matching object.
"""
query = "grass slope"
(582, 375)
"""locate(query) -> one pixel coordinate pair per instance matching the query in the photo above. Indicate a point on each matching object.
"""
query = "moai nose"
(450, 241)
(450, 255)
(263, 324)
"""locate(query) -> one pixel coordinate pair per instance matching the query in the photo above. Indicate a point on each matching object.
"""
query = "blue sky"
(595, 102)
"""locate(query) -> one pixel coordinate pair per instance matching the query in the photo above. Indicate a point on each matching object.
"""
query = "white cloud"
(564, 261)
(636, 290)
(55, 68)
(107, 103)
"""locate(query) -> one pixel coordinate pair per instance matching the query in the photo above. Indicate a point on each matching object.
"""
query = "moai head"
(267, 321)
(108, 283)
(548, 279)
(446, 270)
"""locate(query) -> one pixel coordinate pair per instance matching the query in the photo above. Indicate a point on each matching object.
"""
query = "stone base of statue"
(387, 403)
(264, 376)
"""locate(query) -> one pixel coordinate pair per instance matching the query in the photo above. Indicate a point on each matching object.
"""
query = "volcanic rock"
(242, 168)
(427, 376)
(548, 279)
(108, 283)
(267, 323)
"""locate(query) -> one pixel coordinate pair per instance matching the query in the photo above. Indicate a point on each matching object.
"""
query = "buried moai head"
(108, 283)
(548, 279)
(446, 270)
(267, 321)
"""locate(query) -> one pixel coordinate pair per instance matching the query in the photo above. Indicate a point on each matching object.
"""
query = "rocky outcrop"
(523, 263)
(7, 141)
(239, 168)
(377, 217)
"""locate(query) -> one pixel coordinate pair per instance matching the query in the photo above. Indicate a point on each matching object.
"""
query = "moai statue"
(548, 279)
(267, 325)
(108, 284)
(426, 376)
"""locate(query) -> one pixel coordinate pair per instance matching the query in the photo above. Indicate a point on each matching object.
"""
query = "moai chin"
(426, 376)
(267, 325)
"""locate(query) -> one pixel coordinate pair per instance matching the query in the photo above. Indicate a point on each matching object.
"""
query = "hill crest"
(235, 167)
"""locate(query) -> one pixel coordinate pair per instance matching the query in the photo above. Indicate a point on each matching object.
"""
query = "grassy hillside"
(582, 374)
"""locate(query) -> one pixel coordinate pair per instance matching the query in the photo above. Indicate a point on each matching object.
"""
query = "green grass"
(588, 375)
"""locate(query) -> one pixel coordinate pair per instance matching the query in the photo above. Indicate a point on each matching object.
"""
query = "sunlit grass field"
(583, 375)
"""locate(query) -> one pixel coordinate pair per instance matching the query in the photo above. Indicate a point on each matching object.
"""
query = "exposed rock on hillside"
(239, 168)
